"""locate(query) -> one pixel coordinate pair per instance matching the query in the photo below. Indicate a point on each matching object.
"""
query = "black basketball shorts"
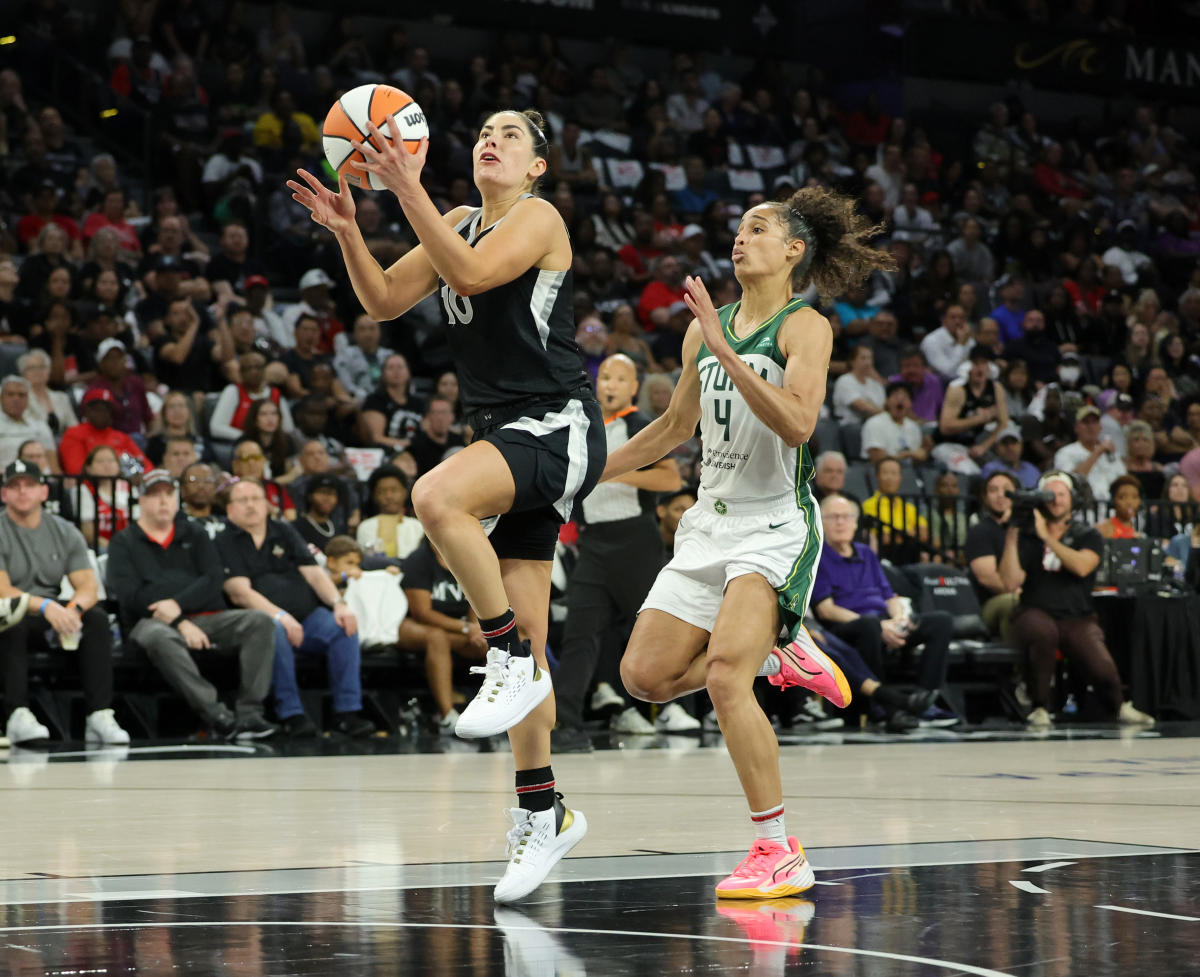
(556, 454)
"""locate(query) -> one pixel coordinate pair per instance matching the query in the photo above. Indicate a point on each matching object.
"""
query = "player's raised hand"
(393, 165)
(332, 210)
(700, 302)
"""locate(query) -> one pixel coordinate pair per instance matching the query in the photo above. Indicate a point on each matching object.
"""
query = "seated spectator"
(1053, 568)
(1139, 459)
(884, 343)
(894, 523)
(230, 268)
(1010, 313)
(434, 438)
(315, 459)
(858, 394)
(37, 550)
(112, 214)
(317, 303)
(985, 547)
(1008, 460)
(58, 502)
(949, 345)
(197, 494)
(829, 476)
(189, 350)
(973, 259)
(894, 433)
(387, 530)
(855, 312)
(283, 118)
(1117, 416)
(268, 567)
(899, 710)
(177, 420)
(339, 415)
(16, 425)
(664, 289)
(264, 423)
(45, 204)
(924, 383)
(1036, 348)
(304, 356)
(228, 420)
(1091, 456)
(1126, 495)
(437, 605)
(359, 365)
(178, 453)
(322, 518)
(948, 523)
(268, 323)
(853, 599)
(975, 410)
(96, 429)
(131, 410)
(167, 579)
(105, 498)
(249, 461)
(391, 415)
(670, 509)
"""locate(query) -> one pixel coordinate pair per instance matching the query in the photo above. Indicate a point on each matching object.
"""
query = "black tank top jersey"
(514, 342)
(971, 403)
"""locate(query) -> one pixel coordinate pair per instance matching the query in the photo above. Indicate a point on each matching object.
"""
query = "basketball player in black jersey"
(504, 275)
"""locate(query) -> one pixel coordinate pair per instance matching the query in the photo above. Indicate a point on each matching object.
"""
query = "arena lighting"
(107, 113)
(8, 39)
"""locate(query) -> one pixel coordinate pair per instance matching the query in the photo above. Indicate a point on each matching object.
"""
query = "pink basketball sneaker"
(803, 663)
(770, 871)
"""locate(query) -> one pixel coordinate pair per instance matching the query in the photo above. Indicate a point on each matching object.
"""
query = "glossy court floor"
(949, 853)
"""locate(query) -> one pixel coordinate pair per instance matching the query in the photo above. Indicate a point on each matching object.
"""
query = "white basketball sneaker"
(23, 727)
(673, 718)
(513, 686)
(102, 727)
(535, 846)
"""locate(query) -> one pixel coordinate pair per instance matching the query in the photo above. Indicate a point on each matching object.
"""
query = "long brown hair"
(836, 249)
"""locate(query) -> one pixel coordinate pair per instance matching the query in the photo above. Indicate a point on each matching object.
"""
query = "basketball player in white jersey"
(746, 553)
(503, 271)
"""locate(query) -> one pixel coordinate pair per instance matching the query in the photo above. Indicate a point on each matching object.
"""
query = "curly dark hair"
(836, 249)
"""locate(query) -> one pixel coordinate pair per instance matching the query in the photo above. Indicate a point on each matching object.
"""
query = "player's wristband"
(46, 602)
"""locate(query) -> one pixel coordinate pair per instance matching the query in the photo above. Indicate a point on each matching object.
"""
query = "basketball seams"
(343, 126)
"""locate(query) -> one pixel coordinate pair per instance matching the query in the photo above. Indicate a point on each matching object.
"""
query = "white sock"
(768, 825)
(771, 666)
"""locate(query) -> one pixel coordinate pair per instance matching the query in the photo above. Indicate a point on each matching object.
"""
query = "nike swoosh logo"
(776, 525)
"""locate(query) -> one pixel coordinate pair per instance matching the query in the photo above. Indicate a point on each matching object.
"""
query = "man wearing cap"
(696, 260)
(316, 301)
(268, 323)
(949, 345)
(1091, 456)
(16, 426)
(96, 429)
(168, 581)
(1124, 253)
(268, 567)
(37, 550)
(975, 410)
(130, 408)
(1118, 415)
(1009, 461)
(45, 200)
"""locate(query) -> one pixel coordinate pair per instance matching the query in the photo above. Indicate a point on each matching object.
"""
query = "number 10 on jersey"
(458, 307)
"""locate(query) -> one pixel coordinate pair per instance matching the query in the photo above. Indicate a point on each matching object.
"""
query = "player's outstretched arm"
(528, 232)
(677, 423)
(806, 341)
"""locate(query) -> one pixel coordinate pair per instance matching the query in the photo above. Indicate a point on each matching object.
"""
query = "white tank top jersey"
(744, 460)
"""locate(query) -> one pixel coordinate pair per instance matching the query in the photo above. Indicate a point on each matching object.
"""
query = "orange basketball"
(346, 124)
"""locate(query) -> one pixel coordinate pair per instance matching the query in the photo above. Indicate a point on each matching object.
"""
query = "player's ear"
(538, 167)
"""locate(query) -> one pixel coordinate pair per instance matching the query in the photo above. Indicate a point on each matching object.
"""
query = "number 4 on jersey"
(722, 418)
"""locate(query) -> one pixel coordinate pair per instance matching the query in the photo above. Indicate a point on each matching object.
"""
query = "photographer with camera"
(1052, 560)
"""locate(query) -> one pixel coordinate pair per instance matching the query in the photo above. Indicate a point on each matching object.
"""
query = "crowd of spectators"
(180, 310)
